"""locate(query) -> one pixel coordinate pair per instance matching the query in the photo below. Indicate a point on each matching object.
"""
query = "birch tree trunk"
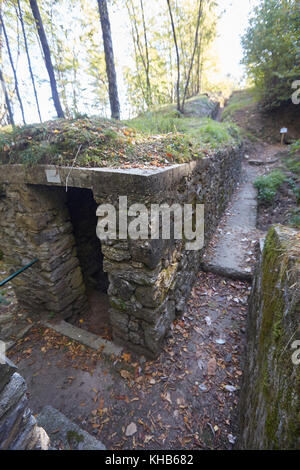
(29, 61)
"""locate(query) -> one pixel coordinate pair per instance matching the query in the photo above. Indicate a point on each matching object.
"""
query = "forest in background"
(170, 56)
(57, 56)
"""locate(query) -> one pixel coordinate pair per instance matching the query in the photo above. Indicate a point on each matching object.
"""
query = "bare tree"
(109, 60)
(47, 55)
(147, 68)
(7, 100)
(5, 104)
(180, 104)
(177, 57)
(141, 51)
(12, 67)
(28, 59)
(193, 54)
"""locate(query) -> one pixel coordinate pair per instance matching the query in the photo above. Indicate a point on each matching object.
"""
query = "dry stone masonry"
(18, 427)
(148, 280)
(270, 401)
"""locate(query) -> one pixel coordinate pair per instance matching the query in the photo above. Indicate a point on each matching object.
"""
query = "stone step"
(85, 337)
(64, 434)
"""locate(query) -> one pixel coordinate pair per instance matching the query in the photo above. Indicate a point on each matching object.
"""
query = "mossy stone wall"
(270, 398)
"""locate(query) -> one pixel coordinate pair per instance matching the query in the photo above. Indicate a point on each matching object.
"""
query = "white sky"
(230, 28)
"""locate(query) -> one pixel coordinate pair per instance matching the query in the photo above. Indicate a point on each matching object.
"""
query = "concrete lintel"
(100, 180)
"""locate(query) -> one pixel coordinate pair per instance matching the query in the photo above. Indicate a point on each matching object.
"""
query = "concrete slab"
(85, 337)
(230, 252)
(64, 434)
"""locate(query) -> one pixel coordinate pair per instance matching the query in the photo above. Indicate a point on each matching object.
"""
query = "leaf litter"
(172, 402)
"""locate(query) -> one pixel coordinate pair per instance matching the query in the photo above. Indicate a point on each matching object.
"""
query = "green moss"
(157, 138)
(276, 371)
(271, 426)
(74, 438)
(119, 304)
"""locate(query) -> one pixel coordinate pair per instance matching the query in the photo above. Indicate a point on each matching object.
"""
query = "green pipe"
(18, 272)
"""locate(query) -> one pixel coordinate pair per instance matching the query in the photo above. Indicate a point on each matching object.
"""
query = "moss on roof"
(158, 138)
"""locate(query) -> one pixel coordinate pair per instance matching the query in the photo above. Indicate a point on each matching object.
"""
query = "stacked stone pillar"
(36, 224)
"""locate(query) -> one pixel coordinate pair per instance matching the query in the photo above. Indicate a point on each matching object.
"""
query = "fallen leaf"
(126, 357)
(167, 397)
(125, 374)
(211, 366)
(131, 429)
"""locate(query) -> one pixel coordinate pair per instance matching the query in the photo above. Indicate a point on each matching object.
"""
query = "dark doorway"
(82, 208)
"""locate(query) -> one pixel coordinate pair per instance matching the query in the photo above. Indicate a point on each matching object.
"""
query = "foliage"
(268, 185)
(203, 134)
(293, 161)
(272, 50)
(161, 54)
(77, 53)
(3, 298)
(238, 100)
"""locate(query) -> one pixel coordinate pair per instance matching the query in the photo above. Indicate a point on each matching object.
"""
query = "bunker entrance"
(82, 209)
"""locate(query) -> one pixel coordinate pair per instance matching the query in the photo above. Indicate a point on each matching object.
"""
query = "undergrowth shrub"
(268, 185)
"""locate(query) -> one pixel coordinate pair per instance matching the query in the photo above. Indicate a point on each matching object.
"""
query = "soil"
(266, 125)
(186, 399)
(96, 319)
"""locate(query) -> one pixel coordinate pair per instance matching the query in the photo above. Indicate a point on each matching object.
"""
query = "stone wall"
(149, 280)
(270, 398)
(35, 223)
(18, 427)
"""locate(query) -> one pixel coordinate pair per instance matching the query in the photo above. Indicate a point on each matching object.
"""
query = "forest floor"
(185, 399)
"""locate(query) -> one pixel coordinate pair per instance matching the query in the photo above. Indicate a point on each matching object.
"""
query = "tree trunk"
(29, 61)
(177, 57)
(198, 64)
(193, 55)
(47, 55)
(7, 100)
(138, 45)
(109, 60)
(147, 55)
(13, 68)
